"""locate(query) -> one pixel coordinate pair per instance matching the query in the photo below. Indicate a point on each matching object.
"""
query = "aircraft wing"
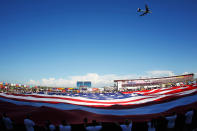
(143, 14)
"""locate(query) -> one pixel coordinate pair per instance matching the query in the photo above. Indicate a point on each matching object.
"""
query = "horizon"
(62, 42)
(110, 82)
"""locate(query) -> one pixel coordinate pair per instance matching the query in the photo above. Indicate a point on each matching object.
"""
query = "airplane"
(145, 11)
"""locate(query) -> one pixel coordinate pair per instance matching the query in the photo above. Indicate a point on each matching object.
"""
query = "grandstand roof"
(185, 75)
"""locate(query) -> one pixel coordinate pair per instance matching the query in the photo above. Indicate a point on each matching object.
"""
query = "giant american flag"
(125, 104)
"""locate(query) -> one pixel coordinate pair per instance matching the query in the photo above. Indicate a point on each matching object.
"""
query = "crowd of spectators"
(185, 121)
(9, 88)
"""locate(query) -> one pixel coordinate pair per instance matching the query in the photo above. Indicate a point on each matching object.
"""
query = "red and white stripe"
(149, 97)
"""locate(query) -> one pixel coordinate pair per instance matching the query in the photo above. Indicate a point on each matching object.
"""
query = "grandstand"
(135, 84)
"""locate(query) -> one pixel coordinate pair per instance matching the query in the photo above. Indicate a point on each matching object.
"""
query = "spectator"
(151, 126)
(161, 123)
(64, 126)
(180, 122)
(94, 127)
(127, 126)
(85, 121)
(29, 124)
(177, 84)
(194, 119)
(189, 116)
(171, 121)
(49, 126)
(7, 122)
(188, 119)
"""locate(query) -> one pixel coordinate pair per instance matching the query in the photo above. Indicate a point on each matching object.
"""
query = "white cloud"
(185, 73)
(158, 73)
(195, 75)
(33, 82)
(96, 79)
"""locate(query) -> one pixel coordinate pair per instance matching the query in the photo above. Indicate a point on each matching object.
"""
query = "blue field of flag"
(97, 96)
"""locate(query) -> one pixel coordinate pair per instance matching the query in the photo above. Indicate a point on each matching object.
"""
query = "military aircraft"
(145, 11)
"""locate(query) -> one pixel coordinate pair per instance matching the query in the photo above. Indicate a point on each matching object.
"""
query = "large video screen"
(80, 84)
(87, 84)
(84, 84)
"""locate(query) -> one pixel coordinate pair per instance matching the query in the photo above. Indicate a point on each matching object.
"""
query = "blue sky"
(49, 40)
